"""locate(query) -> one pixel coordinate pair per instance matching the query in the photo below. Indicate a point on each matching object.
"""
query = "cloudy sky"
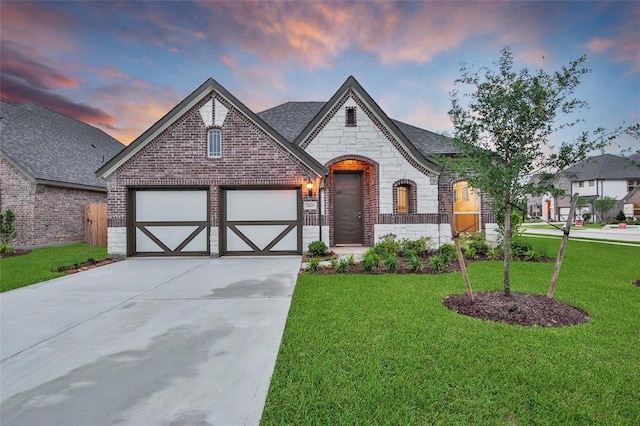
(122, 65)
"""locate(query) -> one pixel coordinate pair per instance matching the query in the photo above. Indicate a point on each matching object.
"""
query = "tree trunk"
(506, 242)
(563, 246)
(456, 240)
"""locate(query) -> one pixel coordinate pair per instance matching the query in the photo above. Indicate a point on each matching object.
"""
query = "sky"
(121, 66)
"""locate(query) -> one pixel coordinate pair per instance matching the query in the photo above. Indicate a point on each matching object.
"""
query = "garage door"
(169, 222)
(261, 221)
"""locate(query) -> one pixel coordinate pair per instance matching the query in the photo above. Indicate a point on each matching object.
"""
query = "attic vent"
(350, 117)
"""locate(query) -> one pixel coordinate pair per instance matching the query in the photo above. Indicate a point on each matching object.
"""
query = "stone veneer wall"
(371, 148)
(45, 215)
(178, 157)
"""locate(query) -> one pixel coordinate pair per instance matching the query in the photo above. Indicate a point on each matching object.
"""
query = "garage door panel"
(170, 221)
(168, 206)
(289, 242)
(261, 221)
(249, 205)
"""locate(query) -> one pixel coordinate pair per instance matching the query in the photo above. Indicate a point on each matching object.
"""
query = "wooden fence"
(95, 224)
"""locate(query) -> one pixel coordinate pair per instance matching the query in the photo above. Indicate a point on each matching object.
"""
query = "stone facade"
(179, 157)
(369, 147)
(44, 215)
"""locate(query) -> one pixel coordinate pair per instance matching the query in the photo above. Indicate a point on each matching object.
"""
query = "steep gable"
(351, 93)
(209, 90)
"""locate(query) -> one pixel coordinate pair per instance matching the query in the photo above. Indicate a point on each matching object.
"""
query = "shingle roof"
(50, 146)
(605, 166)
(291, 118)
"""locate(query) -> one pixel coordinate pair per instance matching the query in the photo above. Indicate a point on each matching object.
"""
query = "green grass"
(542, 225)
(37, 266)
(362, 349)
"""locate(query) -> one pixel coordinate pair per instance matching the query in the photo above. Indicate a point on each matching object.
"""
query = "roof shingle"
(53, 147)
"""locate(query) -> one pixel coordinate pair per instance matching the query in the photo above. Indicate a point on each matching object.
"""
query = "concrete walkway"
(145, 342)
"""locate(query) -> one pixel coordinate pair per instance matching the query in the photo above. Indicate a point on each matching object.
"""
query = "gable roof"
(605, 166)
(210, 85)
(352, 84)
(291, 118)
(52, 148)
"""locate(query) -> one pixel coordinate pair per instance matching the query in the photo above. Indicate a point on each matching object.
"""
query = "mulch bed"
(14, 253)
(519, 309)
(90, 264)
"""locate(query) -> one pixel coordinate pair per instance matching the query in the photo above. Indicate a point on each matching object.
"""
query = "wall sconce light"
(309, 187)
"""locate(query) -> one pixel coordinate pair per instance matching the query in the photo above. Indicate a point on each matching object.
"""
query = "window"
(581, 184)
(591, 183)
(631, 184)
(214, 138)
(351, 117)
(402, 199)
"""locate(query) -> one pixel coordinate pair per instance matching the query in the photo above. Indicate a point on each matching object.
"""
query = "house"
(213, 177)
(47, 172)
(595, 177)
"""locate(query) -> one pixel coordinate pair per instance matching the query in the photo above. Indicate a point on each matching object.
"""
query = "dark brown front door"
(347, 210)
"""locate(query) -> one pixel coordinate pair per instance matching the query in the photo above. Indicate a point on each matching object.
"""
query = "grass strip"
(39, 265)
(362, 349)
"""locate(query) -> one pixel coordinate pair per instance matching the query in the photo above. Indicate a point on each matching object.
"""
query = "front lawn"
(382, 349)
(39, 265)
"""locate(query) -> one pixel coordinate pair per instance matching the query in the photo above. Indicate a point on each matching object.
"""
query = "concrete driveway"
(145, 342)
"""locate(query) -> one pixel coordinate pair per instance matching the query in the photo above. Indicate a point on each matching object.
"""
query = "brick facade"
(178, 157)
(45, 215)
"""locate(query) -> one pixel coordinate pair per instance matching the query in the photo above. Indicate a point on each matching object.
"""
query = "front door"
(347, 208)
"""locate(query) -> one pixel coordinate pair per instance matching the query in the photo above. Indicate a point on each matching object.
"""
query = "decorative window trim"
(412, 198)
(350, 118)
(214, 151)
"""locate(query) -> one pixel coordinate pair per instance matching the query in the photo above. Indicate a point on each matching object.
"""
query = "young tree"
(604, 205)
(502, 130)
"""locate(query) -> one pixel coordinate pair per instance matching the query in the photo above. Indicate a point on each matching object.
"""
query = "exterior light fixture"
(309, 187)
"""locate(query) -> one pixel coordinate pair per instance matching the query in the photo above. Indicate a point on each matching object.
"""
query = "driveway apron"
(145, 342)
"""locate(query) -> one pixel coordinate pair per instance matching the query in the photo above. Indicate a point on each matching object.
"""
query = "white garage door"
(261, 221)
(170, 222)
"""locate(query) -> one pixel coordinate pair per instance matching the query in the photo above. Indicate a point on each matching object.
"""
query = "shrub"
(370, 261)
(495, 253)
(6, 248)
(334, 263)
(439, 262)
(391, 262)
(478, 240)
(415, 263)
(470, 252)
(419, 246)
(317, 248)
(7, 229)
(586, 216)
(387, 245)
(532, 255)
(519, 248)
(342, 265)
(351, 259)
(621, 216)
(313, 264)
(448, 251)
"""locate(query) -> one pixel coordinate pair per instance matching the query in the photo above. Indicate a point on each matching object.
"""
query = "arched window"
(404, 197)
(214, 142)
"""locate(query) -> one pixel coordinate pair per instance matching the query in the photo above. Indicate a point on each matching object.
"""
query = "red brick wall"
(45, 215)
(59, 214)
(178, 157)
(17, 193)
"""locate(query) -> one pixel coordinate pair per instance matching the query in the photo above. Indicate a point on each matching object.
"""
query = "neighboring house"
(598, 176)
(47, 172)
(212, 177)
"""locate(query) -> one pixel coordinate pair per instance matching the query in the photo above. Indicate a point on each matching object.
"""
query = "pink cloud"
(20, 22)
